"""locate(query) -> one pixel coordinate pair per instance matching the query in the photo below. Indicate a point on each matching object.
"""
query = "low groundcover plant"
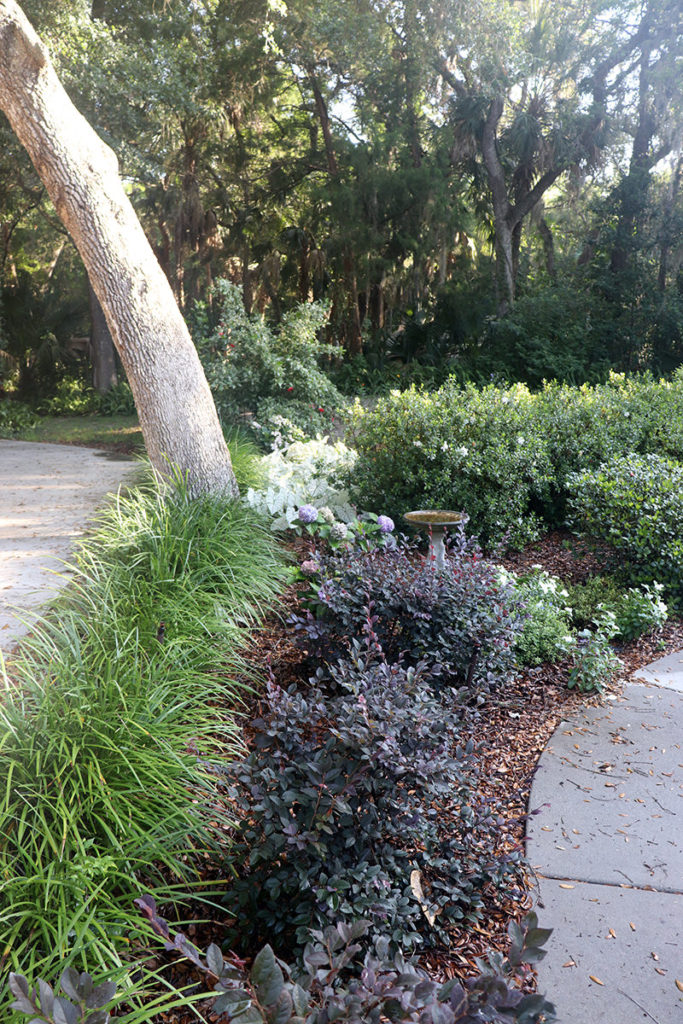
(335, 982)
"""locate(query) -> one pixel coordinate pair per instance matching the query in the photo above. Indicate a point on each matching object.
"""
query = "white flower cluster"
(304, 473)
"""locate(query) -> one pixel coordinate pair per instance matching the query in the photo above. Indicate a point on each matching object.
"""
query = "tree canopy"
(450, 177)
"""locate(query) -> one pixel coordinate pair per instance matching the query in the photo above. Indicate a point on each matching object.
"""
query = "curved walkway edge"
(48, 493)
(607, 846)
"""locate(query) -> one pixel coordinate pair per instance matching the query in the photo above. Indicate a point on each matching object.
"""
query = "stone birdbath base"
(437, 520)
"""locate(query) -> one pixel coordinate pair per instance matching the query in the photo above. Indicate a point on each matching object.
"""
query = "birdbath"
(438, 520)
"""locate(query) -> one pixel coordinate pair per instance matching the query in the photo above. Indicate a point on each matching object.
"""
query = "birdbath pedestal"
(438, 520)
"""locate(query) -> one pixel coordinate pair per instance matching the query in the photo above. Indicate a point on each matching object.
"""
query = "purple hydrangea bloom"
(385, 524)
(308, 513)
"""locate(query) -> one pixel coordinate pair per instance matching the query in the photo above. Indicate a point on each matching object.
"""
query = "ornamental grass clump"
(106, 745)
(357, 801)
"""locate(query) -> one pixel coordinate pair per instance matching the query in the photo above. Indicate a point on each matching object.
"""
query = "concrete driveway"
(48, 493)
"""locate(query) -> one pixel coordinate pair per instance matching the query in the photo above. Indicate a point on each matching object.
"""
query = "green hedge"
(502, 453)
(634, 503)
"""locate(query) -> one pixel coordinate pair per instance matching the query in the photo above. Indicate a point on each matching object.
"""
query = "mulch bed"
(511, 732)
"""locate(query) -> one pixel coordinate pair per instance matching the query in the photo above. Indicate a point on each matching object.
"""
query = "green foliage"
(279, 422)
(118, 401)
(639, 610)
(106, 745)
(246, 362)
(338, 800)
(595, 663)
(326, 988)
(502, 454)
(71, 397)
(551, 334)
(636, 610)
(546, 631)
(633, 502)
(586, 599)
(245, 457)
(15, 417)
(467, 449)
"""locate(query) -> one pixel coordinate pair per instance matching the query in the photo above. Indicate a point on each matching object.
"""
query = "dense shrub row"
(503, 454)
(634, 503)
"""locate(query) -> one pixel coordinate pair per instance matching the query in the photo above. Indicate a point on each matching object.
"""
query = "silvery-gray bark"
(174, 403)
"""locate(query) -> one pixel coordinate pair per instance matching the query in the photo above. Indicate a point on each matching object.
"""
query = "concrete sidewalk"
(48, 492)
(608, 849)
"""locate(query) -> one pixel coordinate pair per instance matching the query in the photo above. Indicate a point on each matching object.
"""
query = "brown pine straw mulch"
(511, 731)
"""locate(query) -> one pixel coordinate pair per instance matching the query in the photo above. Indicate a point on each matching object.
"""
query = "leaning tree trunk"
(174, 403)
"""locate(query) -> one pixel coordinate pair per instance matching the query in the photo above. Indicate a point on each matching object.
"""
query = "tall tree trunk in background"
(354, 337)
(635, 186)
(177, 414)
(508, 218)
(667, 234)
(102, 352)
(548, 248)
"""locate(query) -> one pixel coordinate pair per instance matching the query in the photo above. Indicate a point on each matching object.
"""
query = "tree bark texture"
(174, 403)
(102, 354)
(508, 218)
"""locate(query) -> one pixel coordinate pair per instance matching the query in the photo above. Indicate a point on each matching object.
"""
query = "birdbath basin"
(438, 520)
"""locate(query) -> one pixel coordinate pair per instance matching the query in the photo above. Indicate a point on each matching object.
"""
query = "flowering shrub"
(464, 618)
(634, 503)
(356, 801)
(307, 514)
(595, 663)
(636, 610)
(278, 423)
(546, 633)
(246, 362)
(458, 448)
(301, 474)
(503, 454)
(639, 610)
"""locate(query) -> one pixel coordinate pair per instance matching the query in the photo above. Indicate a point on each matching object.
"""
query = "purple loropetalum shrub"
(463, 618)
(357, 799)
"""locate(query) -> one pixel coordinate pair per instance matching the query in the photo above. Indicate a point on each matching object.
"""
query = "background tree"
(80, 172)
